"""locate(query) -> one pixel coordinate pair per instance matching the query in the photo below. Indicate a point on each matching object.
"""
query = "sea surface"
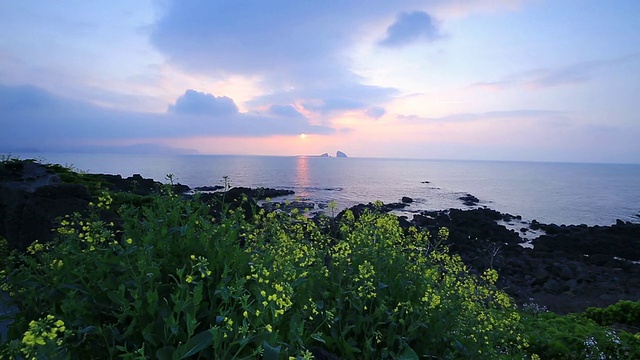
(561, 193)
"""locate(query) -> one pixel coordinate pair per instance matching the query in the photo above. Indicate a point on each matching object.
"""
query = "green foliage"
(174, 283)
(623, 313)
(576, 337)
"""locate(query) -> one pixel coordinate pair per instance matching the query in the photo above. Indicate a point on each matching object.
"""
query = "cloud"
(488, 116)
(199, 103)
(36, 118)
(299, 50)
(331, 98)
(253, 36)
(409, 28)
(334, 104)
(571, 74)
(376, 112)
(285, 111)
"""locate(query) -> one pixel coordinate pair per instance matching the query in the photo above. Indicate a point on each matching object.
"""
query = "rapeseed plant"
(174, 281)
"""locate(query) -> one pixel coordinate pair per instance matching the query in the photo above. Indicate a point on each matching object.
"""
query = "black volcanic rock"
(359, 209)
(407, 200)
(33, 196)
(621, 240)
(209, 188)
(135, 184)
(569, 269)
(25, 217)
(257, 193)
(289, 206)
(469, 200)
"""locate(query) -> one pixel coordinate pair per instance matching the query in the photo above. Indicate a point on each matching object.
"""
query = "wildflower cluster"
(91, 233)
(104, 201)
(44, 338)
(200, 266)
(36, 247)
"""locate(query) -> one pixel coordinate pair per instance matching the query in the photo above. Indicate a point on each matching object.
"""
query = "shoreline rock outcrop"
(567, 270)
(569, 267)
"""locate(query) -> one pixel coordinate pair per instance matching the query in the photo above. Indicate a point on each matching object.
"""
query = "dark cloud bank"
(35, 119)
(296, 47)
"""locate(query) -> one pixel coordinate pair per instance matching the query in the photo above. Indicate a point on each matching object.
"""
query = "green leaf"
(350, 349)
(408, 354)
(270, 352)
(87, 330)
(117, 298)
(165, 353)
(191, 322)
(149, 335)
(318, 337)
(195, 345)
(197, 294)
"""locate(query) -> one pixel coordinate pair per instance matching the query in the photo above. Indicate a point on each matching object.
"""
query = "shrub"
(174, 283)
(624, 312)
(576, 337)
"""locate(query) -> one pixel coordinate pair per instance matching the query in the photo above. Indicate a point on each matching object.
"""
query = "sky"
(515, 80)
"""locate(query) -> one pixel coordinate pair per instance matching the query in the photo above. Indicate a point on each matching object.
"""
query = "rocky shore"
(565, 268)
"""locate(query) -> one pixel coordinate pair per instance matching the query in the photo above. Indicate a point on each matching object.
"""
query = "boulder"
(28, 216)
(407, 200)
(469, 200)
(33, 197)
(135, 184)
(289, 206)
(359, 209)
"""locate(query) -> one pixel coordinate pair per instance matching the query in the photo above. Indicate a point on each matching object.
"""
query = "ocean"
(561, 193)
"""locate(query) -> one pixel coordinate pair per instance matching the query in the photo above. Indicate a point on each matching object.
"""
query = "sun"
(303, 136)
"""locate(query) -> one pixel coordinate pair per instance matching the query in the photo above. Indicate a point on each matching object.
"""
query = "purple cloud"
(38, 119)
(199, 103)
(376, 112)
(296, 48)
(409, 28)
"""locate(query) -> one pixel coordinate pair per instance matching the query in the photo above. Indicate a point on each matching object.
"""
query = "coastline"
(593, 194)
(565, 268)
(539, 277)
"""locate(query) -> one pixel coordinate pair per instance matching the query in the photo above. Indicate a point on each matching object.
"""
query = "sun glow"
(303, 136)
